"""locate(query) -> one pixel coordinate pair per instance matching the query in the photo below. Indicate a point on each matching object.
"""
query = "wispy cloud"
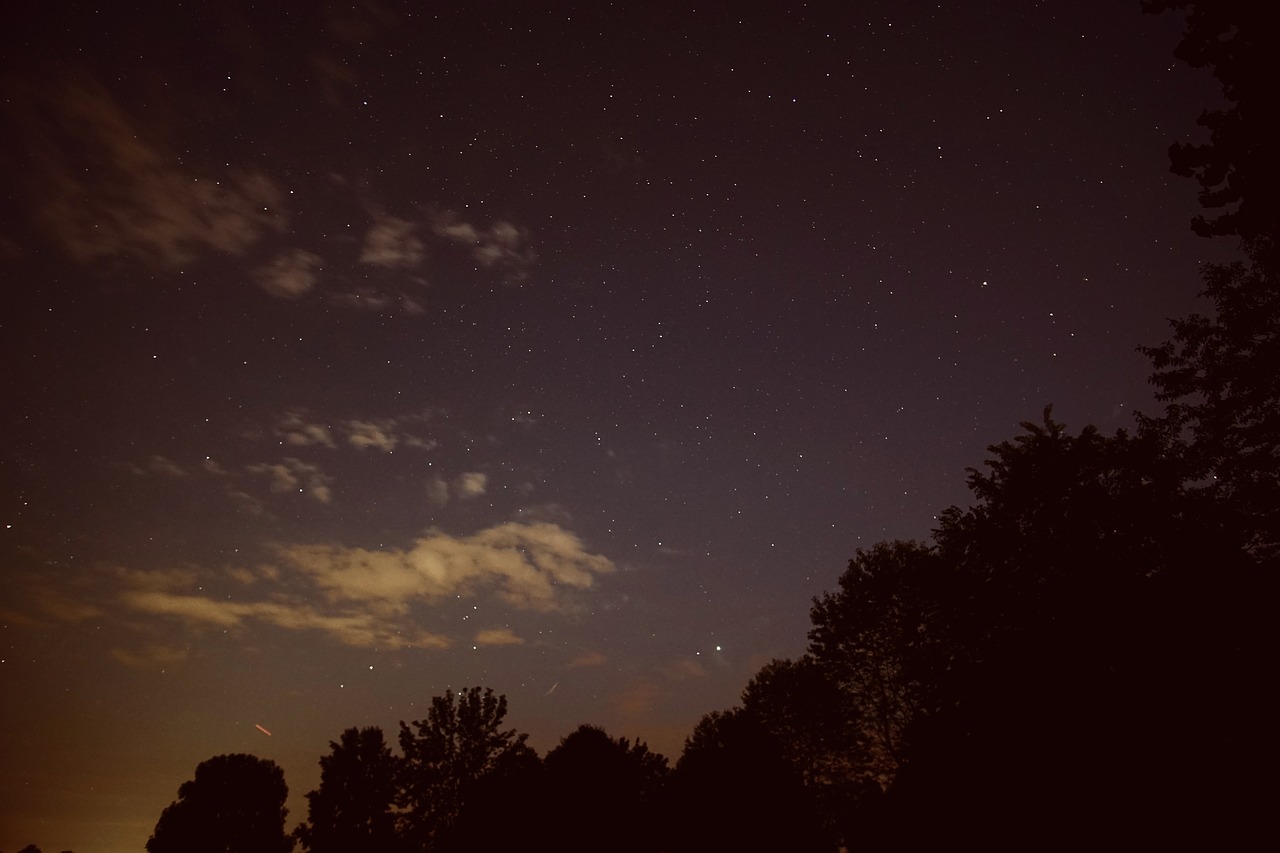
(497, 637)
(466, 486)
(371, 434)
(588, 658)
(296, 430)
(529, 566)
(392, 243)
(503, 246)
(352, 628)
(635, 702)
(366, 298)
(167, 467)
(290, 275)
(470, 485)
(294, 475)
(437, 492)
(684, 669)
(355, 596)
(110, 188)
(151, 655)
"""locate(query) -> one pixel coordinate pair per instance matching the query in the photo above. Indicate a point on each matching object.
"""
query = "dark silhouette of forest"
(1077, 659)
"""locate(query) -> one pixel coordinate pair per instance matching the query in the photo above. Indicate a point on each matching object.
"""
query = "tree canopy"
(235, 804)
(353, 807)
(460, 742)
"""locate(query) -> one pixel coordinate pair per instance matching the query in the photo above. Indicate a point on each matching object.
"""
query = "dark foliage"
(235, 804)
(1220, 375)
(1091, 597)
(1073, 658)
(353, 807)
(602, 793)
(736, 787)
(1237, 169)
(506, 809)
(446, 755)
(876, 641)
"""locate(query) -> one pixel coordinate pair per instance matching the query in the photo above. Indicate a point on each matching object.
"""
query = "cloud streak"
(503, 246)
(528, 566)
(110, 189)
(362, 597)
(391, 243)
(290, 275)
(294, 475)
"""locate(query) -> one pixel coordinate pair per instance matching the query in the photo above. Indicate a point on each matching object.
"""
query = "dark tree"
(444, 756)
(877, 639)
(505, 809)
(736, 787)
(235, 804)
(1219, 376)
(1237, 170)
(353, 807)
(605, 793)
(1096, 619)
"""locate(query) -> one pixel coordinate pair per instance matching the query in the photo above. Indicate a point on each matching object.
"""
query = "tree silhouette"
(505, 809)
(876, 639)
(1237, 169)
(1095, 620)
(459, 743)
(736, 787)
(352, 808)
(613, 788)
(235, 804)
(1219, 377)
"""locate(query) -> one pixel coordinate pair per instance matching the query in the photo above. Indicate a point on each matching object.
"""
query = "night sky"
(359, 351)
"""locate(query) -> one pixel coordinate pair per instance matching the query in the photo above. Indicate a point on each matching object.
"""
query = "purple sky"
(352, 354)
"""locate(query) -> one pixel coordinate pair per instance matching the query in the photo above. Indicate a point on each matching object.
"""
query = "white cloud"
(363, 597)
(530, 566)
(290, 275)
(351, 628)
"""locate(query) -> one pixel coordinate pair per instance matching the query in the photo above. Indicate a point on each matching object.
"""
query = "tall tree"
(444, 756)
(235, 804)
(873, 639)
(353, 807)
